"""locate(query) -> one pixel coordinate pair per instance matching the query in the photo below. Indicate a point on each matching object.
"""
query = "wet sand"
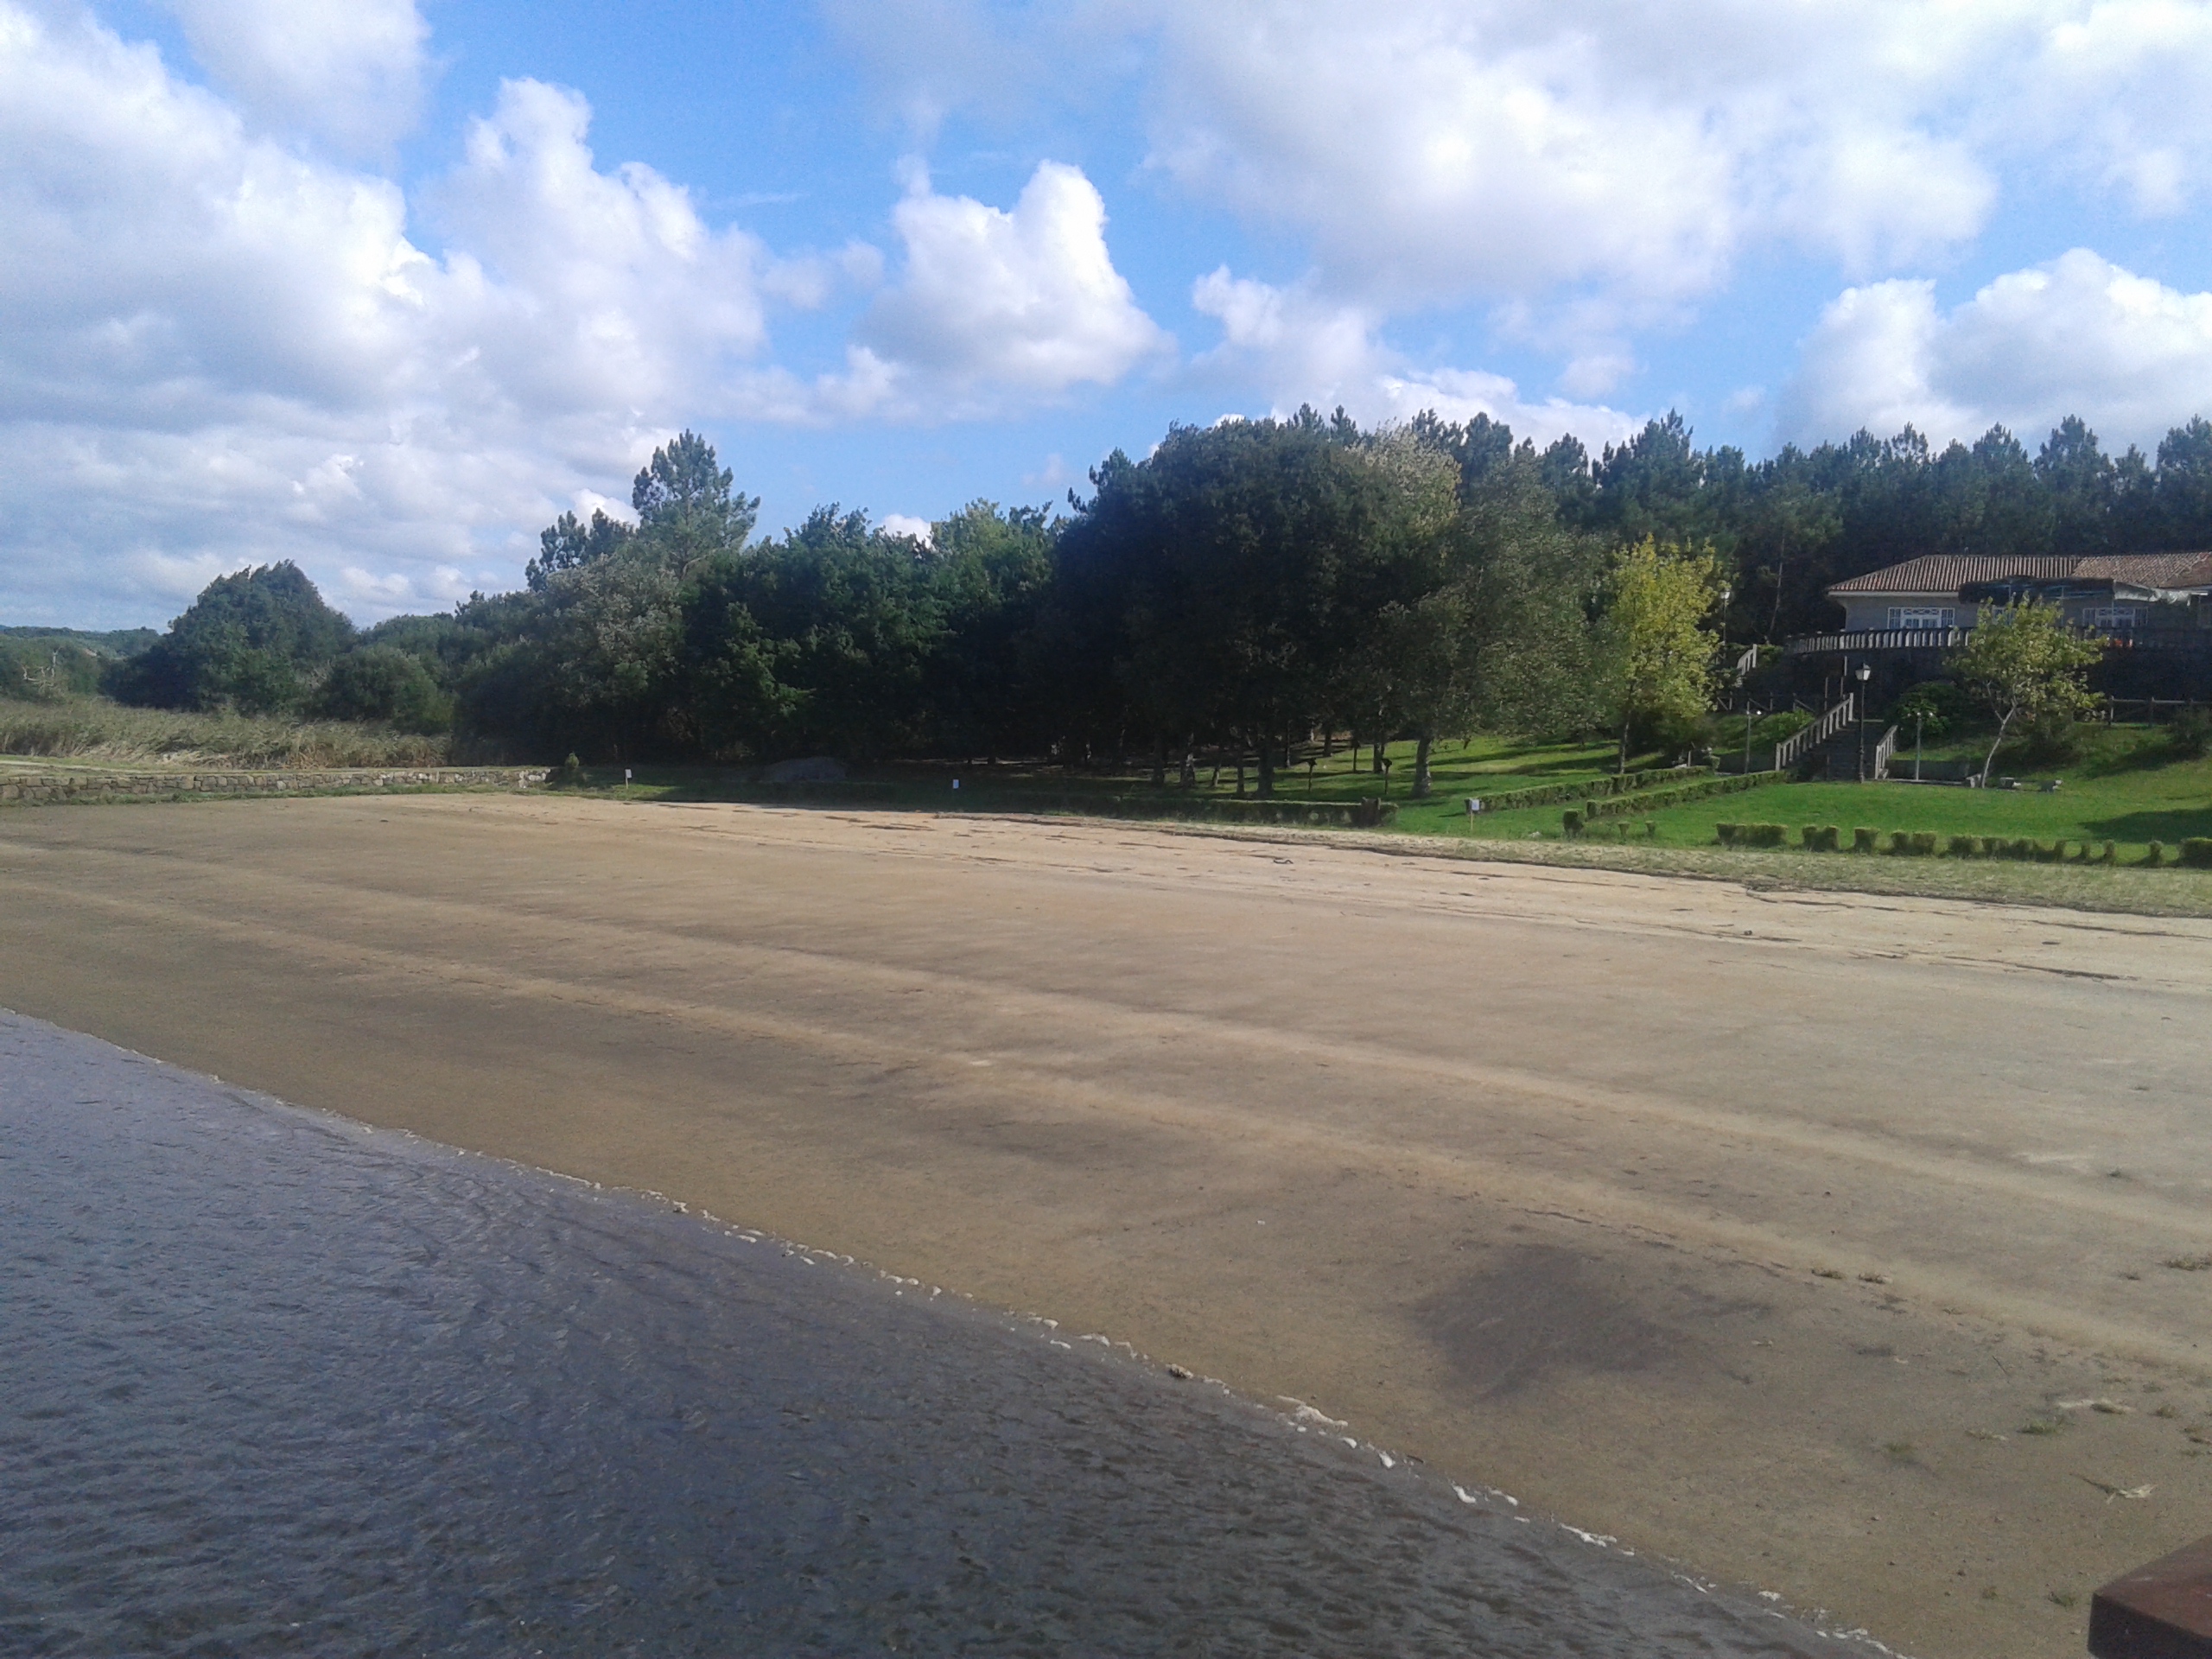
(1750, 1229)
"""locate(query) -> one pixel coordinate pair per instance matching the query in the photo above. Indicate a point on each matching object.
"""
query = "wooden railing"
(1883, 750)
(1787, 752)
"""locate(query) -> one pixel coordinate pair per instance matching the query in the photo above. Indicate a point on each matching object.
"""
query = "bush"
(1963, 845)
(1864, 840)
(2197, 852)
(1752, 835)
(2157, 855)
(2189, 737)
(381, 683)
(2047, 740)
(1571, 824)
(2111, 853)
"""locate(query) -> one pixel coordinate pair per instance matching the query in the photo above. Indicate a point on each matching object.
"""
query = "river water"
(274, 1382)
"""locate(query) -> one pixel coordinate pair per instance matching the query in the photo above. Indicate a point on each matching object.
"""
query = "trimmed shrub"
(1762, 834)
(1922, 843)
(1964, 846)
(1570, 824)
(2197, 852)
(2157, 855)
(1620, 784)
(1865, 841)
(2111, 853)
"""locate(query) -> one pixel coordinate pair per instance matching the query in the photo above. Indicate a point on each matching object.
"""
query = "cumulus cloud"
(1599, 169)
(994, 305)
(2078, 335)
(216, 349)
(1304, 348)
(349, 71)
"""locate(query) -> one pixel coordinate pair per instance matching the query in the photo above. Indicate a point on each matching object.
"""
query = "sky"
(383, 286)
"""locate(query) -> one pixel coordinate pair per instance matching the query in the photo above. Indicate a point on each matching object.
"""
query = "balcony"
(1876, 639)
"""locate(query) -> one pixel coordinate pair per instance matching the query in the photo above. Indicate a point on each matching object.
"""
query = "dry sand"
(1754, 1229)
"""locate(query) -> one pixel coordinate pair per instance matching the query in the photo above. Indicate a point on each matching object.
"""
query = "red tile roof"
(1944, 573)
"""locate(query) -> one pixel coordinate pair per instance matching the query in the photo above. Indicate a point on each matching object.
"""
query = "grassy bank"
(92, 731)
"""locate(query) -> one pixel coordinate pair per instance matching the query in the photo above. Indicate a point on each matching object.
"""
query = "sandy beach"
(1822, 1243)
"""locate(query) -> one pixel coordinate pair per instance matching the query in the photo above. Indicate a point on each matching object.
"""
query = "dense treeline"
(1244, 585)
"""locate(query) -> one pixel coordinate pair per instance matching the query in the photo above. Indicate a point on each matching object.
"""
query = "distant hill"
(121, 642)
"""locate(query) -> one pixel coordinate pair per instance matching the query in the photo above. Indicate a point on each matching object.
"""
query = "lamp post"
(1865, 673)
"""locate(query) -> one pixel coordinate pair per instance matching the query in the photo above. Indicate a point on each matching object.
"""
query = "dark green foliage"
(565, 544)
(40, 668)
(2156, 855)
(1865, 841)
(1752, 835)
(257, 641)
(1241, 587)
(1964, 846)
(1571, 823)
(382, 682)
(2189, 735)
(1698, 788)
(2047, 740)
(2196, 851)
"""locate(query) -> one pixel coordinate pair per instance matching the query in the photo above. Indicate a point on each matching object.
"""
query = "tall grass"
(101, 733)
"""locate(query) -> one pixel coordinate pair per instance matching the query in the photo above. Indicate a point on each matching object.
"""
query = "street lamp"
(1865, 673)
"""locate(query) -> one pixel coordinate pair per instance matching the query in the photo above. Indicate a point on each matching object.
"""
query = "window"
(1923, 616)
(2120, 619)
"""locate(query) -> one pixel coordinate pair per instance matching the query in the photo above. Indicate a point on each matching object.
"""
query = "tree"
(565, 544)
(1235, 568)
(257, 640)
(684, 505)
(2023, 661)
(1655, 653)
(383, 682)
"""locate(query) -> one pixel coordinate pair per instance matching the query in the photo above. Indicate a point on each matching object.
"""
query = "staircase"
(1838, 761)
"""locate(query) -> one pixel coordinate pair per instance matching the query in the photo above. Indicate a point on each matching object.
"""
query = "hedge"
(1681, 794)
(1588, 789)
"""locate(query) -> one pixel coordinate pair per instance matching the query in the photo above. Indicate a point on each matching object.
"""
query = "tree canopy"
(1241, 586)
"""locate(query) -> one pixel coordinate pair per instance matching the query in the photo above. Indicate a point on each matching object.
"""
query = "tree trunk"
(1160, 759)
(1990, 759)
(1420, 768)
(1626, 721)
(1267, 767)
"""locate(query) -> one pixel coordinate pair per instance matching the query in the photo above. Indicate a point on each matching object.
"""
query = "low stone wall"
(32, 788)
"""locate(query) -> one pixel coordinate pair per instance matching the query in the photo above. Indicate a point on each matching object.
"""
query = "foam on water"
(274, 1382)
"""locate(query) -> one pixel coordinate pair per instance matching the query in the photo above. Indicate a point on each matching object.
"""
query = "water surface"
(275, 1382)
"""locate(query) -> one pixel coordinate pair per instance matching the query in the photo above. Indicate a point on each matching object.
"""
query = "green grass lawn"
(2123, 790)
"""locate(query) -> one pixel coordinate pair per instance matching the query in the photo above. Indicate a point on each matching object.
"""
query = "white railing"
(1747, 662)
(1787, 752)
(1883, 750)
(1878, 639)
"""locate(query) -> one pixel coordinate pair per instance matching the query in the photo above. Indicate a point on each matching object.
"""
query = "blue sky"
(383, 285)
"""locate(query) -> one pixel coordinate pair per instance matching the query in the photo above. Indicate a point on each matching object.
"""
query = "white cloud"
(993, 306)
(1302, 348)
(905, 523)
(1598, 169)
(2078, 335)
(214, 349)
(349, 71)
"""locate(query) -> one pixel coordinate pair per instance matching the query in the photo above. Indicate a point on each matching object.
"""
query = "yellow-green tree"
(2023, 660)
(1655, 642)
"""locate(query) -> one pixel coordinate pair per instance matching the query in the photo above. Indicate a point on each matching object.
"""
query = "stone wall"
(29, 787)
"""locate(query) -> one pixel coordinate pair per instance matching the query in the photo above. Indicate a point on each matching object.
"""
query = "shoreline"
(1597, 1188)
